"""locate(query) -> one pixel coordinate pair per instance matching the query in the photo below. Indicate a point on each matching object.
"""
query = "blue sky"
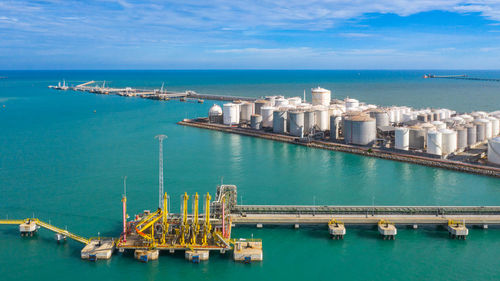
(258, 34)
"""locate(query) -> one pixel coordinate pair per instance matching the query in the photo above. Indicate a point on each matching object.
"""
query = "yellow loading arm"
(207, 227)
(165, 218)
(148, 222)
(184, 226)
(195, 224)
(335, 222)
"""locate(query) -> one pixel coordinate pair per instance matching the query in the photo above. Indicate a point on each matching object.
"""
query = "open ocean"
(63, 162)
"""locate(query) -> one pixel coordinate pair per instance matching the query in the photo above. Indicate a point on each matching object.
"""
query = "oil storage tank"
(461, 138)
(449, 141)
(296, 118)
(495, 126)
(267, 116)
(359, 129)
(434, 142)
(417, 137)
(280, 121)
(246, 111)
(351, 104)
(309, 121)
(402, 138)
(494, 150)
(259, 104)
(471, 134)
(256, 121)
(381, 116)
(231, 115)
(322, 118)
(480, 130)
(321, 96)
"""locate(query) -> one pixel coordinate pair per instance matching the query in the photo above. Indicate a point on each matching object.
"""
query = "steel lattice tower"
(160, 187)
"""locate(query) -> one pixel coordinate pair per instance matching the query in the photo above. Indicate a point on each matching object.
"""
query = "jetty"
(99, 87)
(461, 77)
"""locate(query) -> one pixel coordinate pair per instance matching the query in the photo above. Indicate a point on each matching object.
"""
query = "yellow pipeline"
(184, 226)
(149, 221)
(195, 226)
(165, 218)
(206, 226)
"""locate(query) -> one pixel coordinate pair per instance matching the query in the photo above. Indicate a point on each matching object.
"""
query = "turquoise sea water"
(62, 162)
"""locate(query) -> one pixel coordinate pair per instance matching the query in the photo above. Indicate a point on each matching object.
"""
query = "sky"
(255, 34)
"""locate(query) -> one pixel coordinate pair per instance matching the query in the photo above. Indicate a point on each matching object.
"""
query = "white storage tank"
(487, 128)
(494, 150)
(480, 131)
(434, 142)
(280, 121)
(231, 115)
(256, 122)
(461, 138)
(280, 102)
(402, 138)
(267, 116)
(246, 111)
(215, 114)
(440, 125)
(294, 101)
(351, 104)
(381, 116)
(467, 118)
(296, 118)
(271, 100)
(321, 96)
(449, 141)
(309, 121)
(359, 129)
(495, 126)
(322, 118)
(417, 137)
(471, 134)
(260, 104)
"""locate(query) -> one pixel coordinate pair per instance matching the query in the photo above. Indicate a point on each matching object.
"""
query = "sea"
(64, 156)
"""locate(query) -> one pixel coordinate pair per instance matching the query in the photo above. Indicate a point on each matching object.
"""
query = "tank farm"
(437, 137)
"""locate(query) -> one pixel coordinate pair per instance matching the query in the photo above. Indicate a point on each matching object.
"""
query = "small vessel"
(183, 99)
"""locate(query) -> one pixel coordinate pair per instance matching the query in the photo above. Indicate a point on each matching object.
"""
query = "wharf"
(366, 151)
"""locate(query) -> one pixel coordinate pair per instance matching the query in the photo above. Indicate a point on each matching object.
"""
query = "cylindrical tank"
(471, 134)
(215, 114)
(281, 102)
(422, 117)
(335, 122)
(246, 111)
(417, 137)
(481, 129)
(439, 125)
(359, 129)
(309, 121)
(296, 118)
(461, 138)
(495, 126)
(381, 117)
(294, 101)
(231, 115)
(351, 104)
(259, 104)
(256, 122)
(467, 118)
(271, 100)
(434, 142)
(449, 141)
(402, 138)
(267, 116)
(280, 121)
(322, 118)
(494, 150)
(321, 96)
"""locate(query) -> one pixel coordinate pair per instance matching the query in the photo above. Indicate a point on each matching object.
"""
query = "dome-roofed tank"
(321, 96)
(215, 114)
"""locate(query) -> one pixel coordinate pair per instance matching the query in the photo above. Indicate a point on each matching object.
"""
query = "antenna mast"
(160, 188)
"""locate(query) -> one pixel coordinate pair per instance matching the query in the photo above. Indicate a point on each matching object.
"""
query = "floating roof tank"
(381, 116)
(359, 129)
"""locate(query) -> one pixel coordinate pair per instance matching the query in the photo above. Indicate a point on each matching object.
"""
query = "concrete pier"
(248, 250)
(387, 230)
(336, 229)
(457, 230)
(28, 228)
(196, 256)
(146, 255)
(98, 250)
